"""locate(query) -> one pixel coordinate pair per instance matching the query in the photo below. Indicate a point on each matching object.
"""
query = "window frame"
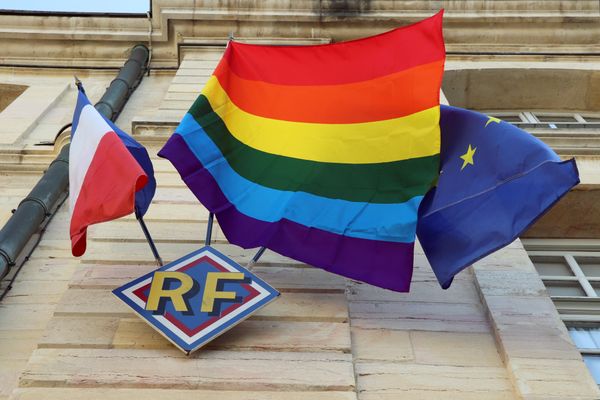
(575, 311)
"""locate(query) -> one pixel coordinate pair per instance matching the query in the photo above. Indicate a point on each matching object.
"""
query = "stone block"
(419, 316)
(381, 345)
(398, 378)
(35, 292)
(461, 291)
(211, 370)
(423, 394)
(249, 335)
(510, 283)
(18, 344)
(74, 332)
(171, 394)
(18, 317)
(567, 379)
(454, 348)
(9, 374)
(289, 306)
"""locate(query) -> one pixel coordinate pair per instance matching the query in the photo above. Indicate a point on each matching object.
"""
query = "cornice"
(471, 27)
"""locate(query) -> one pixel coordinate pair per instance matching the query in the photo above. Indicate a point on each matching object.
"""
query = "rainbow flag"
(321, 153)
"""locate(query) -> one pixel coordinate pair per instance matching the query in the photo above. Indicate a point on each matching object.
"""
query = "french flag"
(104, 175)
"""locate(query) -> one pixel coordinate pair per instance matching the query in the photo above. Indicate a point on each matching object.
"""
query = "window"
(549, 120)
(570, 270)
(587, 341)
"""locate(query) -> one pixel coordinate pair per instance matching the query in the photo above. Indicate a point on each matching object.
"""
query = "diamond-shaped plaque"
(193, 300)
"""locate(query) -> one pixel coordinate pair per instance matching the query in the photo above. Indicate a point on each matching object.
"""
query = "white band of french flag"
(103, 175)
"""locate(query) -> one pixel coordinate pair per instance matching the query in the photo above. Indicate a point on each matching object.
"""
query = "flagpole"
(140, 219)
(207, 241)
(257, 256)
(78, 84)
(209, 227)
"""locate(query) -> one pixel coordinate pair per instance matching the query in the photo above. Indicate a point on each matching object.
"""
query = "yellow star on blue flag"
(468, 157)
(492, 119)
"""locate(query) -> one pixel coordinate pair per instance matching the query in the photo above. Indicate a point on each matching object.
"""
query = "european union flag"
(495, 181)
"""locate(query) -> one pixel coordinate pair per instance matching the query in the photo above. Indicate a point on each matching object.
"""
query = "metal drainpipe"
(39, 206)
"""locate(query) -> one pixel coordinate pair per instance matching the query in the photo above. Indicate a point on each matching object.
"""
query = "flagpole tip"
(78, 82)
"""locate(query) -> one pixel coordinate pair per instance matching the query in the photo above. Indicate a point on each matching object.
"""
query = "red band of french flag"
(103, 175)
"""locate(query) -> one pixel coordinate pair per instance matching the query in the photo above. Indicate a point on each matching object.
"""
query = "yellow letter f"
(210, 289)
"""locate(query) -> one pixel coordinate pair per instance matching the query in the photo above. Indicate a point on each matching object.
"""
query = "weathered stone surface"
(9, 374)
(536, 341)
(509, 283)
(381, 345)
(113, 332)
(85, 332)
(172, 394)
(288, 279)
(575, 216)
(229, 370)
(427, 394)
(35, 292)
(523, 311)
(48, 270)
(533, 342)
(566, 379)
(398, 378)
(249, 335)
(17, 317)
(424, 316)
(289, 306)
(453, 348)
(124, 252)
(18, 344)
(22, 115)
(461, 291)
(164, 231)
(508, 259)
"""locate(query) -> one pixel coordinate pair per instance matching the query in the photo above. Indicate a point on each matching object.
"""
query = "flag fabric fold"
(495, 181)
(144, 196)
(110, 174)
(320, 153)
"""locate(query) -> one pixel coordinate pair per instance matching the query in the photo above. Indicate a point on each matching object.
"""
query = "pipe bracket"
(37, 201)
(5, 255)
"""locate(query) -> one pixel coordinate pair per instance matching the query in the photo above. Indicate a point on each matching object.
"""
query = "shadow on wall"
(8, 93)
(523, 89)
(341, 8)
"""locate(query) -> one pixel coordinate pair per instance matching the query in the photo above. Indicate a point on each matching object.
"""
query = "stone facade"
(494, 335)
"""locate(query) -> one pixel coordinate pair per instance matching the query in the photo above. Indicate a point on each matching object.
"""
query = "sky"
(116, 6)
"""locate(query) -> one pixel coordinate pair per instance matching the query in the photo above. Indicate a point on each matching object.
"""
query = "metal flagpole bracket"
(149, 239)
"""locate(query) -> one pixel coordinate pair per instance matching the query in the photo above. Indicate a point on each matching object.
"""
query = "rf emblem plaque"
(193, 300)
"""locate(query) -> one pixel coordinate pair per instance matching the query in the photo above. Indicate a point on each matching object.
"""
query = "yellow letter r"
(157, 291)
